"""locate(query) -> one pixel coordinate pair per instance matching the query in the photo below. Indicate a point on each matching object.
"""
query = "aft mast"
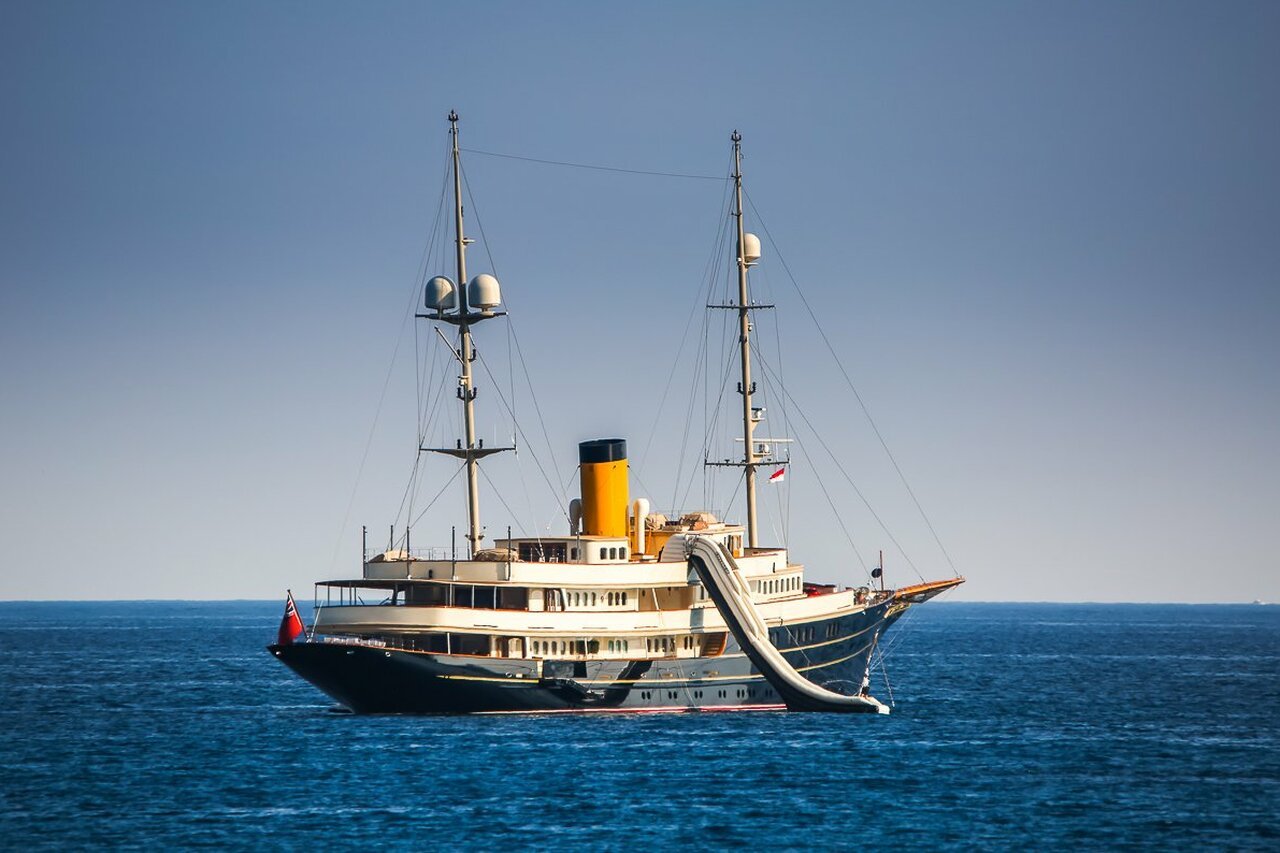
(748, 254)
(747, 387)
(473, 302)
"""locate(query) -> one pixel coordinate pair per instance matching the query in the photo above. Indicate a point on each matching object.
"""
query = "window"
(622, 553)
(573, 553)
(593, 599)
(604, 552)
(624, 598)
(613, 553)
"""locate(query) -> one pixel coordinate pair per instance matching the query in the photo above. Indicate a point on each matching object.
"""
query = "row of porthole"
(740, 693)
(769, 587)
(659, 644)
(588, 599)
(564, 647)
(576, 647)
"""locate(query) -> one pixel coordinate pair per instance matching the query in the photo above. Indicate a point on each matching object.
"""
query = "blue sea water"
(1046, 726)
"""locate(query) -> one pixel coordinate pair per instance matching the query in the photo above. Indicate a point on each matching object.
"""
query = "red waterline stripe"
(662, 709)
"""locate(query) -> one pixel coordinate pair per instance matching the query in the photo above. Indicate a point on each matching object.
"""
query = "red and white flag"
(776, 476)
(291, 627)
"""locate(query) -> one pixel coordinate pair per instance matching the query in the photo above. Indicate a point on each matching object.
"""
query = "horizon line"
(1253, 603)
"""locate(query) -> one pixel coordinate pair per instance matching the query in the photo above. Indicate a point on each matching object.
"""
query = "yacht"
(627, 609)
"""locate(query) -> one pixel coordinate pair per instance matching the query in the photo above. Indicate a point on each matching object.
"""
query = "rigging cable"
(382, 396)
(502, 397)
(684, 337)
(595, 167)
(867, 412)
(563, 498)
(432, 502)
(848, 478)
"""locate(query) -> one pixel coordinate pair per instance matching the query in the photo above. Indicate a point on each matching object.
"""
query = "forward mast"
(463, 306)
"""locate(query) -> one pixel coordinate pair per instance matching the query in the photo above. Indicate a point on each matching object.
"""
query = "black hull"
(835, 653)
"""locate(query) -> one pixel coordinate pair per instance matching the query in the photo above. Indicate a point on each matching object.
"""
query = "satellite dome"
(483, 293)
(440, 294)
(750, 248)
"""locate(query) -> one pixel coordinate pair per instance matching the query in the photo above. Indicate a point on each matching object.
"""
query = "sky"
(1042, 239)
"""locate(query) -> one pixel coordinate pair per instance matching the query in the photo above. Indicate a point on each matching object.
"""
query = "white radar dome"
(750, 248)
(483, 292)
(440, 294)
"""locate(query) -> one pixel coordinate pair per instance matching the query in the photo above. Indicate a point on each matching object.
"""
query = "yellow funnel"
(603, 466)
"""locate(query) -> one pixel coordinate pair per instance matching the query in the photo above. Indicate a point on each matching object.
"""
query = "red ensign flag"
(291, 625)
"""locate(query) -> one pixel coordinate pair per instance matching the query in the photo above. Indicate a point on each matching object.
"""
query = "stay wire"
(432, 502)
(382, 396)
(551, 484)
(849, 381)
(594, 167)
(684, 337)
(524, 365)
(839, 467)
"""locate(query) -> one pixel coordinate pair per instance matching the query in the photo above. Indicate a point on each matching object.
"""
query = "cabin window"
(604, 553)
(470, 644)
(593, 599)
(613, 553)
(573, 553)
(622, 553)
(624, 598)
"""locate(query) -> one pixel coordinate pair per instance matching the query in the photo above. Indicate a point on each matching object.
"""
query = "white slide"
(724, 582)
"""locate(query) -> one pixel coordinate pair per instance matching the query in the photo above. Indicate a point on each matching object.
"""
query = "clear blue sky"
(1044, 238)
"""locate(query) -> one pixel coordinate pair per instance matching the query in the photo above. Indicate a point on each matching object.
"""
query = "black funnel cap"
(602, 450)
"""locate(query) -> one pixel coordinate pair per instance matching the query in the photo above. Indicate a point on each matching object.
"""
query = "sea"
(1044, 726)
